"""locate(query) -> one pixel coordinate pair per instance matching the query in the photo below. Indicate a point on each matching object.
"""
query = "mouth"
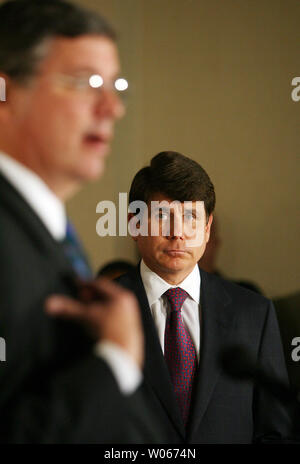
(97, 141)
(176, 253)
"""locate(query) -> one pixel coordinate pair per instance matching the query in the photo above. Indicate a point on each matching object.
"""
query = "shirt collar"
(37, 194)
(155, 286)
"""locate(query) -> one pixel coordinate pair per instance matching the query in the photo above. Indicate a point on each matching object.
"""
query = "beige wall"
(125, 158)
(212, 79)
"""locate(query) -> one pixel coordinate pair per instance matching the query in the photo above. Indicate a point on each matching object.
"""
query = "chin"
(174, 266)
(92, 170)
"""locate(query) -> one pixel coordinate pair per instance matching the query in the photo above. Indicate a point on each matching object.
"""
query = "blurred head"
(115, 269)
(184, 225)
(57, 119)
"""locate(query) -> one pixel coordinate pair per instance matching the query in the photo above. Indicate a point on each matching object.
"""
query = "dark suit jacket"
(223, 410)
(52, 387)
(288, 313)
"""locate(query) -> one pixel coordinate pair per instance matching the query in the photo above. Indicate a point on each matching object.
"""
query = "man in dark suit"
(191, 318)
(60, 383)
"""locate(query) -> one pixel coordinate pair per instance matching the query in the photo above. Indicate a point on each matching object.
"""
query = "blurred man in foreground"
(59, 383)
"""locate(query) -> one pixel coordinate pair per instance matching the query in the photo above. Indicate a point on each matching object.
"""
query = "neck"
(172, 278)
(60, 187)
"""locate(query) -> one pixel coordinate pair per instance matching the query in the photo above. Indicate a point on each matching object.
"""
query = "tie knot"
(176, 297)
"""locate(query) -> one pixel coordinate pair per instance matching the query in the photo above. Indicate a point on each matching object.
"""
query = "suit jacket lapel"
(156, 371)
(215, 325)
(216, 321)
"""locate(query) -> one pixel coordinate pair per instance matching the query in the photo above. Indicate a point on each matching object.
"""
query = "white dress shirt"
(37, 194)
(51, 212)
(155, 287)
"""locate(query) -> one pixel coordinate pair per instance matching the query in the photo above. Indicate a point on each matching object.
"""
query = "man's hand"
(114, 317)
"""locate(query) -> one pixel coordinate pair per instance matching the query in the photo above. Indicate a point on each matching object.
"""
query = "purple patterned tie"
(180, 354)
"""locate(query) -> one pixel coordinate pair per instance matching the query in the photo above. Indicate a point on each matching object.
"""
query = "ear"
(2, 88)
(129, 217)
(208, 227)
(6, 91)
(4, 84)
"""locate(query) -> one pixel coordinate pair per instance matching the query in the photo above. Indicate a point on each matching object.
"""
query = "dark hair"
(27, 25)
(176, 176)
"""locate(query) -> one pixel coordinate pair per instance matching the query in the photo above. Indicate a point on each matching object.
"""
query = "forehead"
(161, 197)
(93, 53)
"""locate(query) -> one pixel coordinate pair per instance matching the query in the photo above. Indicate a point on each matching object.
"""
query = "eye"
(161, 215)
(189, 217)
(164, 216)
(79, 83)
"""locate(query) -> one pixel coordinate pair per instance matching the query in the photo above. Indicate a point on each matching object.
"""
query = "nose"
(176, 228)
(109, 104)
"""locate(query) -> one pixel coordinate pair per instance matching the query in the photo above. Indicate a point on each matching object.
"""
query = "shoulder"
(232, 288)
(251, 316)
(242, 299)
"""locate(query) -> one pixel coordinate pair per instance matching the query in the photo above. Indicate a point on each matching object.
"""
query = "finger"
(58, 305)
(109, 288)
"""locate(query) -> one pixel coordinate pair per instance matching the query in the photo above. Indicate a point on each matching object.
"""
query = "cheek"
(199, 252)
(196, 251)
(148, 247)
(56, 133)
(71, 116)
(63, 113)
(197, 239)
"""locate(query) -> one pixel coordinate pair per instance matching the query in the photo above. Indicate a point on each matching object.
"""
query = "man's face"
(61, 131)
(174, 252)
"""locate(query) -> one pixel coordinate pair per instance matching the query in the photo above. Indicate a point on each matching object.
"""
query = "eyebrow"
(90, 71)
(193, 210)
(83, 69)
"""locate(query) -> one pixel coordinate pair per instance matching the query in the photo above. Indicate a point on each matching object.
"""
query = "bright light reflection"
(121, 84)
(96, 81)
